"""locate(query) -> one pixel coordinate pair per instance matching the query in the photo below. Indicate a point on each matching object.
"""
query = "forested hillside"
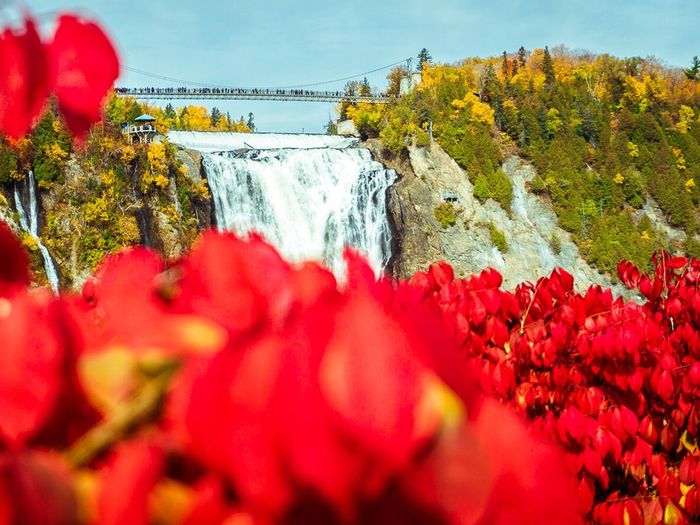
(609, 137)
(102, 194)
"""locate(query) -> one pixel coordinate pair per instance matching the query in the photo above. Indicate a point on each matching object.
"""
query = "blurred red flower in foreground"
(286, 400)
(79, 65)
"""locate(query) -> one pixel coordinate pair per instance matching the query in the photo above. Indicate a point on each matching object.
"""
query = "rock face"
(535, 244)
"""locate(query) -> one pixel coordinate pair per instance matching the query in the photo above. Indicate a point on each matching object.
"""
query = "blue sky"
(279, 43)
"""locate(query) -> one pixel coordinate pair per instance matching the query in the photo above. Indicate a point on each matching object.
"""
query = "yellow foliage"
(97, 211)
(689, 185)
(479, 112)
(365, 115)
(645, 235)
(680, 159)
(156, 173)
(619, 178)
(633, 149)
(56, 153)
(128, 154)
(434, 75)
(685, 119)
(644, 92)
(200, 190)
(554, 121)
(108, 178)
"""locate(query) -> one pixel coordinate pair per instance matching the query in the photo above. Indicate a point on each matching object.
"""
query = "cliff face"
(437, 217)
(95, 210)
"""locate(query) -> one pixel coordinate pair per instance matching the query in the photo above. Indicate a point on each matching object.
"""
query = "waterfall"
(30, 224)
(309, 195)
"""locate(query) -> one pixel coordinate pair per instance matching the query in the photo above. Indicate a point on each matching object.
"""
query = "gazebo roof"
(145, 118)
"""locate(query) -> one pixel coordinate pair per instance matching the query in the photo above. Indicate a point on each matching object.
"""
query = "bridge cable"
(199, 84)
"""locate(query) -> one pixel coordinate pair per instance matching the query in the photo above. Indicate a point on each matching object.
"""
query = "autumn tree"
(424, 57)
(394, 77)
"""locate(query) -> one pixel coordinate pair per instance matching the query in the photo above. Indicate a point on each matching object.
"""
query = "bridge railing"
(247, 94)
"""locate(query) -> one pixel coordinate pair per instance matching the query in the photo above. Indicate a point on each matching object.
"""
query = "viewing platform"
(142, 130)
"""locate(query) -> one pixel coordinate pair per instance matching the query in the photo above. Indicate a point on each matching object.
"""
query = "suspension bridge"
(217, 93)
(188, 90)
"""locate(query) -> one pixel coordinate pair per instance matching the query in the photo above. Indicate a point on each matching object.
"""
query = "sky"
(258, 43)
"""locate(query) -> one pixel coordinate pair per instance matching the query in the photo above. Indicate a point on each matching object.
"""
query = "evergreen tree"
(215, 117)
(490, 86)
(548, 68)
(331, 127)
(365, 90)
(250, 123)
(504, 66)
(424, 57)
(522, 56)
(170, 111)
(184, 119)
(693, 73)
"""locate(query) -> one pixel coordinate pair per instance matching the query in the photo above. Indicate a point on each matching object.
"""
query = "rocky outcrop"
(536, 245)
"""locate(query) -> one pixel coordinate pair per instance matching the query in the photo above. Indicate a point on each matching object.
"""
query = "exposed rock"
(536, 245)
(347, 128)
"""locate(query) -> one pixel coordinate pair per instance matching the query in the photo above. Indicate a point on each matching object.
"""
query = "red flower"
(83, 66)
(24, 83)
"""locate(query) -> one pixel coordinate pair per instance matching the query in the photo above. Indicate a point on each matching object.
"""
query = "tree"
(522, 56)
(170, 111)
(365, 90)
(693, 72)
(504, 66)
(331, 127)
(250, 123)
(394, 77)
(548, 68)
(215, 116)
(424, 57)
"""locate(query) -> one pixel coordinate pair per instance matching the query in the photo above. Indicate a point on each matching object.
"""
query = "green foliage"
(693, 72)
(616, 237)
(424, 58)
(498, 238)
(496, 186)
(446, 214)
(8, 162)
(555, 243)
(52, 146)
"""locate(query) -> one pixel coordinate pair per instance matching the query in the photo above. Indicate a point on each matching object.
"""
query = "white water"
(310, 195)
(30, 224)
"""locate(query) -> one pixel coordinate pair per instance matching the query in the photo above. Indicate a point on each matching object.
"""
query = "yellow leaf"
(170, 502)
(109, 378)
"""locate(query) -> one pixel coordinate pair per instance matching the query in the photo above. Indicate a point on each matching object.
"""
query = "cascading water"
(30, 224)
(310, 195)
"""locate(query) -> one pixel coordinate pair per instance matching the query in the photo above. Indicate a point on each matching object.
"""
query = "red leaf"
(23, 79)
(40, 489)
(84, 66)
(126, 482)
(31, 364)
(14, 265)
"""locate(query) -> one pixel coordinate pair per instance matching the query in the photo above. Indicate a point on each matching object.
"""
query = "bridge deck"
(287, 95)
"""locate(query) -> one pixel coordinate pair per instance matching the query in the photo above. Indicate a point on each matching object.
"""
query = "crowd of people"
(237, 91)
